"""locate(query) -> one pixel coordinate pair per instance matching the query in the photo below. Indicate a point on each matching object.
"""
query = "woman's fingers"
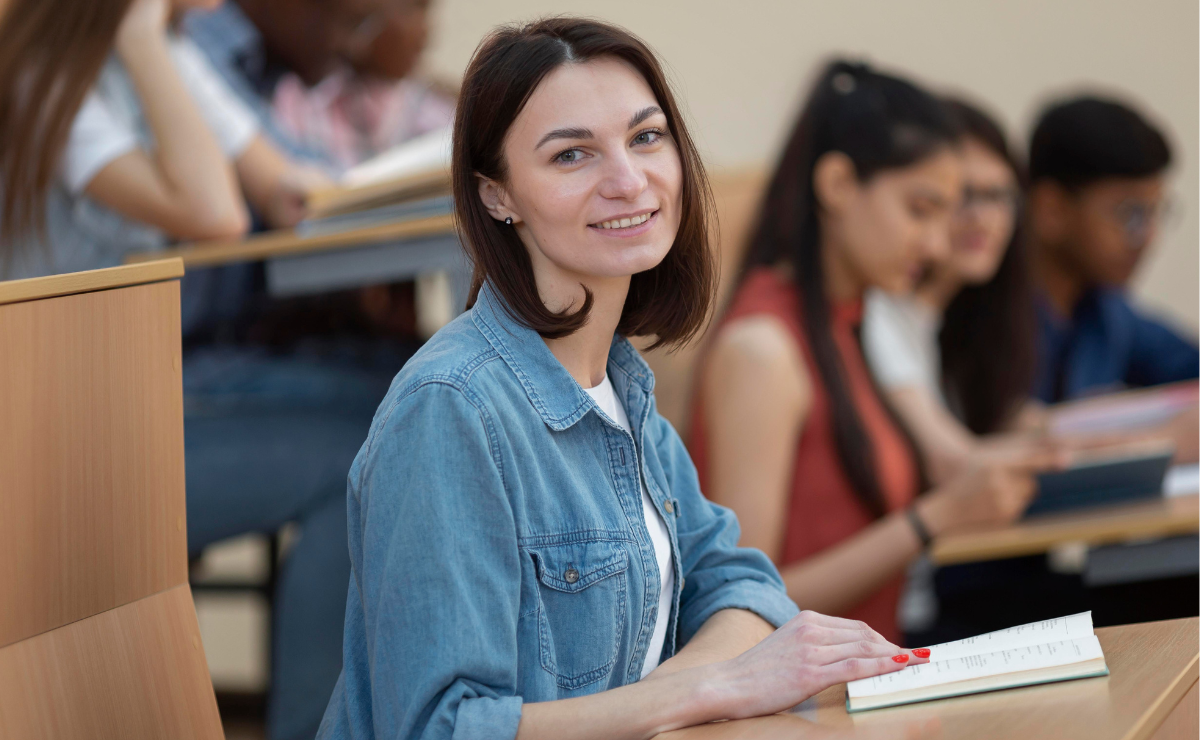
(853, 669)
(824, 620)
(865, 649)
(814, 635)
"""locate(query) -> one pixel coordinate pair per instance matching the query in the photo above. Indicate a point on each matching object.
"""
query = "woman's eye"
(570, 155)
(647, 137)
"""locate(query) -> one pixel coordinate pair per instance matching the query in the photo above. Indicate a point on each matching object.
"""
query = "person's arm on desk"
(276, 187)
(186, 187)
(802, 658)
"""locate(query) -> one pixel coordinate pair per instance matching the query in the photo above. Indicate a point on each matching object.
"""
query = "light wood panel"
(91, 455)
(1183, 723)
(286, 242)
(136, 672)
(1159, 518)
(1152, 666)
(14, 291)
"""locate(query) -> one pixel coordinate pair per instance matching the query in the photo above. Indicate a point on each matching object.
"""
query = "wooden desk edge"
(1177, 516)
(286, 243)
(52, 286)
(1157, 712)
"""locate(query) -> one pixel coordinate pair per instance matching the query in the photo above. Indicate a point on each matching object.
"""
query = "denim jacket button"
(571, 575)
(670, 507)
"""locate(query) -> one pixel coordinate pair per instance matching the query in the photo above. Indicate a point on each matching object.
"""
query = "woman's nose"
(623, 179)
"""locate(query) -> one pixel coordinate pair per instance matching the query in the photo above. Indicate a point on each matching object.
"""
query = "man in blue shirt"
(1095, 203)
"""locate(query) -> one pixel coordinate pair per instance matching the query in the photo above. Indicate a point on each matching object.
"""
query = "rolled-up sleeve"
(437, 576)
(717, 573)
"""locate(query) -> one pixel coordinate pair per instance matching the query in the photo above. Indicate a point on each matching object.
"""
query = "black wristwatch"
(919, 527)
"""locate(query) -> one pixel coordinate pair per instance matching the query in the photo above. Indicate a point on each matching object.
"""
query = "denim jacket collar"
(553, 392)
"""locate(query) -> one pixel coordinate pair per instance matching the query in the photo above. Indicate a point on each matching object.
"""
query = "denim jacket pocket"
(581, 615)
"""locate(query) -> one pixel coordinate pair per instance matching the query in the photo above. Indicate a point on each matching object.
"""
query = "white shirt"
(84, 235)
(900, 342)
(606, 399)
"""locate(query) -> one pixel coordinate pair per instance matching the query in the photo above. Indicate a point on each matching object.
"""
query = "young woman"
(115, 136)
(956, 357)
(789, 430)
(527, 533)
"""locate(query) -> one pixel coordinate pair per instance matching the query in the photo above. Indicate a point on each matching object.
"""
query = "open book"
(1042, 652)
(419, 168)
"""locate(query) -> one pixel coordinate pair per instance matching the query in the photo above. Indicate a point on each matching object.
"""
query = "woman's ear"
(835, 181)
(495, 199)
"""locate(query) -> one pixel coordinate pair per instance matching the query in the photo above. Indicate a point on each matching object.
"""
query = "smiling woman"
(527, 534)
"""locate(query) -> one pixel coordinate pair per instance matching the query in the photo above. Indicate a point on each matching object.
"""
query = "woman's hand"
(145, 20)
(287, 204)
(801, 659)
(992, 492)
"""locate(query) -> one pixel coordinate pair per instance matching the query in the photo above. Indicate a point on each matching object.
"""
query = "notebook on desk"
(1042, 652)
(1103, 477)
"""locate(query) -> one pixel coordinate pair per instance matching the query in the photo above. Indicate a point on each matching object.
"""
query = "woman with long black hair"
(789, 430)
(956, 357)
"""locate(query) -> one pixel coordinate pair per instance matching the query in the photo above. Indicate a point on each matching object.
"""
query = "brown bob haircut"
(670, 301)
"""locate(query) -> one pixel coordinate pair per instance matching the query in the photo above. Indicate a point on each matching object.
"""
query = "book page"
(425, 153)
(1031, 657)
(1036, 633)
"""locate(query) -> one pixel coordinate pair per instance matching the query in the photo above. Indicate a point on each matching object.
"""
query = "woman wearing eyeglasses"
(956, 357)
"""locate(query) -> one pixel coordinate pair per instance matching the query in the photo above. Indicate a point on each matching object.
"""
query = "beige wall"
(741, 68)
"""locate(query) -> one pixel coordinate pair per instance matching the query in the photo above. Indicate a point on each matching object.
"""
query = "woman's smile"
(627, 226)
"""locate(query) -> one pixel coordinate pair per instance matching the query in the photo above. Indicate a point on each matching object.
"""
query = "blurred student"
(373, 104)
(956, 356)
(254, 44)
(789, 430)
(116, 137)
(1097, 172)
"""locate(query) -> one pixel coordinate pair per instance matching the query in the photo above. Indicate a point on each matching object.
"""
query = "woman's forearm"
(836, 579)
(727, 634)
(634, 712)
(198, 179)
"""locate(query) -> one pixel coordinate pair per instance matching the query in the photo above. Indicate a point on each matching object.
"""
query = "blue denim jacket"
(499, 549)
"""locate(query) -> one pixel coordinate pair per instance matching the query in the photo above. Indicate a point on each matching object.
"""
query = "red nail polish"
(921, 652)
(900, 658)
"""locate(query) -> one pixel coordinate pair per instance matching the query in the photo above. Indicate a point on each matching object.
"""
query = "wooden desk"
(1166, 517)
(1150, 693)
(304, 265)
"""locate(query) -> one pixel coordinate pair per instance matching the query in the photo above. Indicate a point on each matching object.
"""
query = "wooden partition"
(98, 633)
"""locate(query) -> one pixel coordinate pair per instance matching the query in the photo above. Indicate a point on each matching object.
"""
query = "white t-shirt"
(900, 342)
(84, 235)
(606, 399)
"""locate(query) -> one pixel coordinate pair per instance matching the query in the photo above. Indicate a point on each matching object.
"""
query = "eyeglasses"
(1137, 218)
(990, 199)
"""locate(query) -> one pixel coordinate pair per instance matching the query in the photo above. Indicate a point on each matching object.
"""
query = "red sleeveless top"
(824, 509)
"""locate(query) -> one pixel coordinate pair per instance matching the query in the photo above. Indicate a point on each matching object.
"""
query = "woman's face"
(897, 222)
(983, 224)
(594, 178)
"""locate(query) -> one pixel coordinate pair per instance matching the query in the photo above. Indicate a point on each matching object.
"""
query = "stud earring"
(508, 221)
